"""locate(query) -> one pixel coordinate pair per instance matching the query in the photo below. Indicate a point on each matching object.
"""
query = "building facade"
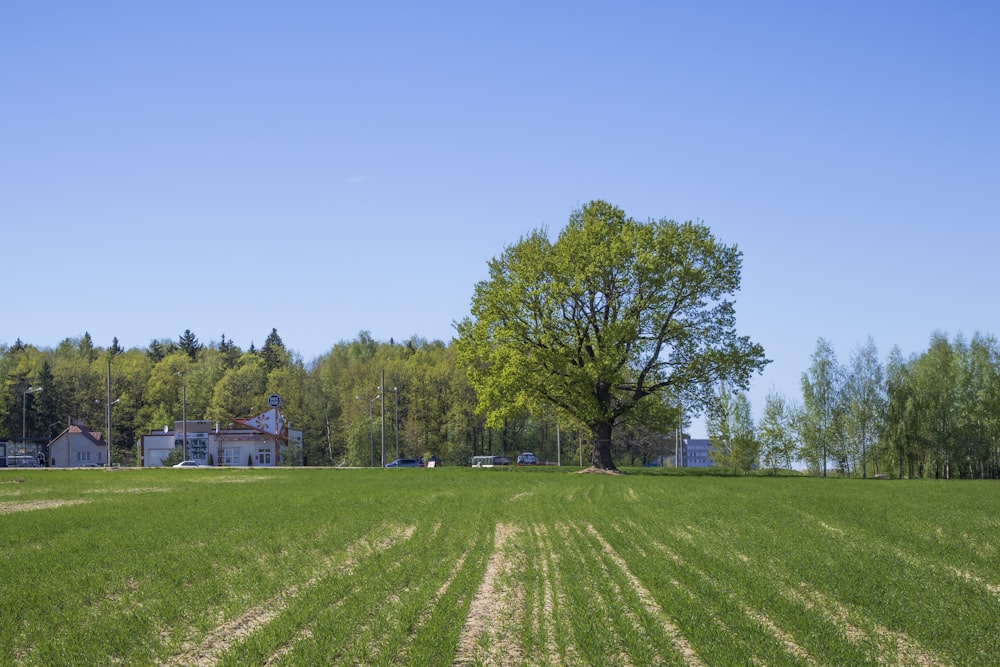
(78, 447)
(697, 453)
(265, 440)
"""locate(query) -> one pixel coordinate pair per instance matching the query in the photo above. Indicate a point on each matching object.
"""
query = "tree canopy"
(612, 312)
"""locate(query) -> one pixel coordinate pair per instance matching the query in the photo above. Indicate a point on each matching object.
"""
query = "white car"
(187, 464)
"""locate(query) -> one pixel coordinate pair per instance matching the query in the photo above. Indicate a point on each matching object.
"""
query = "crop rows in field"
(460, 567)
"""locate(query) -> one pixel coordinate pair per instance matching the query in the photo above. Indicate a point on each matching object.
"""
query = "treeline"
(934, 414)
(337, 400)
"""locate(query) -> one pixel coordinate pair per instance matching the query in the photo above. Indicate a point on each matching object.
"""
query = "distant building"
(78, 447)
(258, 441)
(693, 453)
(697, 453)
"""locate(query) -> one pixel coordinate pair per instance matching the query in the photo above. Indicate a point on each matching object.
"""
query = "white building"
(258, 441)
(78, 447)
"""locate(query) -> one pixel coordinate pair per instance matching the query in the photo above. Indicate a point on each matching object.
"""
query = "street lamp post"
(24, 413)
(107, 406)
(111, 450)
(395, 414)
(382, 390)
(184, 415)
(371, 432)
(558, 444)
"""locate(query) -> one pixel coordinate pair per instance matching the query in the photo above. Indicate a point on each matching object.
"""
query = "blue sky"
(324, 168)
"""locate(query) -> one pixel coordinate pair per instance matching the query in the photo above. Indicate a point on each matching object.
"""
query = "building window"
(231, 456)
(198, 448)
(82, 457)
(264, 456)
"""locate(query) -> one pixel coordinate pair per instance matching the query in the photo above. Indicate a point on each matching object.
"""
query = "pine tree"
(189, 344)
(274, 353)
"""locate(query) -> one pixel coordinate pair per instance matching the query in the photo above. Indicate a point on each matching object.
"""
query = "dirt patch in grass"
(235, 480)
(139, 489)
(304, 634)
(592, 470)
(481, 641)
(831, 529)
(994, 589)
(791, 646)
(7, 508)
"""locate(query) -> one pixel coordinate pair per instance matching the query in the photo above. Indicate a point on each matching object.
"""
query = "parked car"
(403, 463)
(527, 459)
(187, 464)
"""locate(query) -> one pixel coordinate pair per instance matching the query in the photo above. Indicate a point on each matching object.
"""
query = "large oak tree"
(614, 311)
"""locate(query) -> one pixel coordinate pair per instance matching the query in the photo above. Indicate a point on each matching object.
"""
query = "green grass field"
(493, 567)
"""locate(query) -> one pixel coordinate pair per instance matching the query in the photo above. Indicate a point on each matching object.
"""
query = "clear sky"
(324, 168)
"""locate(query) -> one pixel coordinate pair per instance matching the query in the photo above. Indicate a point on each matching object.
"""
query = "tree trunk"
(602, 447)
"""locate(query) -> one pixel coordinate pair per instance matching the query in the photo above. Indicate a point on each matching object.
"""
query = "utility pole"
(184, 418)
(111, 454)
(382, 393)
(558, 445)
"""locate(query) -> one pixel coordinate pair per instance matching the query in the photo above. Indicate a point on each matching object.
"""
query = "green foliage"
(731, 430)
(189, 345)
(935, 414)
(932, 415)
(611, 313)
(273, 353)
(777, 432)
(942, 405)
(865, 403)
(821, 391)
(241, 390)
(176, 455)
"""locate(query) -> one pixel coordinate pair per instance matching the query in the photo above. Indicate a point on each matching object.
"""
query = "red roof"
(77, 429)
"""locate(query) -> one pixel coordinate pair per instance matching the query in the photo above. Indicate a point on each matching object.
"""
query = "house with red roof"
(78, 447)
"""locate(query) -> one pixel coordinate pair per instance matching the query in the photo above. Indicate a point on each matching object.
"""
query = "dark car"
(527, 459)
(403, 463)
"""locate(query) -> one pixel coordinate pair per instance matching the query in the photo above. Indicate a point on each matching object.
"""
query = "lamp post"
(107, 409)
(111, 451)
(395, 414)
(381, 389)
(24, 412)
(558, 444)
(184, 415)
(680, 434)
(371, 432)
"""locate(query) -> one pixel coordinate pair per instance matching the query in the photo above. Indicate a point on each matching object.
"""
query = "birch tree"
(821, 389)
